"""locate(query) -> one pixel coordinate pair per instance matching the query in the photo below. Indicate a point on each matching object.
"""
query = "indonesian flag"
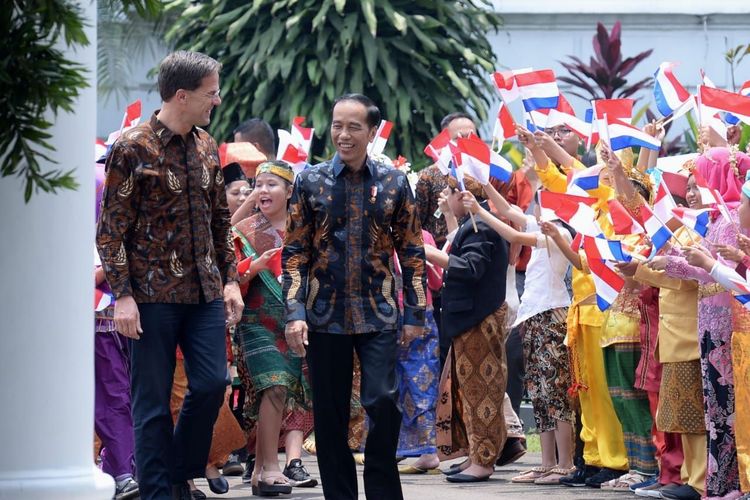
(377, 145)
(669, 93)
(575, 210)
(505, 81)
(291, 151)
(131, 118)
(483, 163)
(697, 220)
(302, 136)
(622, 221)
(274, 263)
(505, 126)
(664, 203)
(538, 89)
(437, 144)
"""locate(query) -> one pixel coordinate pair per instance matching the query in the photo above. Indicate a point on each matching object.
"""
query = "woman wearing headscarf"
(723, 170)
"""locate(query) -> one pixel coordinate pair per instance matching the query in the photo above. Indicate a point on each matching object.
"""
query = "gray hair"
(184, 70)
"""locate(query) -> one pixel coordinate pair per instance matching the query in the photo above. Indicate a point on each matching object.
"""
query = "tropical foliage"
(419, 59)
(604, 76)
(36, 78)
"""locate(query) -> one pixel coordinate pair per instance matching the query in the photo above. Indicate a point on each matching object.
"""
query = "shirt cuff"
(295, 311)
(414, 316)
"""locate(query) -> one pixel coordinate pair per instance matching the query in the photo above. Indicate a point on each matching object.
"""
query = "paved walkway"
(434, 487)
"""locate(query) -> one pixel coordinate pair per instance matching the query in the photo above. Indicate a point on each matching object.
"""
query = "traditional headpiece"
(277, 168)
(233, 172)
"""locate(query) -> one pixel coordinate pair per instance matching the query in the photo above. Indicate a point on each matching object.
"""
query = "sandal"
(278, 485)
(554, 475)
(624, 482)
(531, 475)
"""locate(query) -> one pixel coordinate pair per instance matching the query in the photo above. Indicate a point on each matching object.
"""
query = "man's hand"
(296, 336)
(411, 332)
(127, 317)
(232, 303)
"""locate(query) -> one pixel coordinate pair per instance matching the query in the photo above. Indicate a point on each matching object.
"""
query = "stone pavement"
(434, 487)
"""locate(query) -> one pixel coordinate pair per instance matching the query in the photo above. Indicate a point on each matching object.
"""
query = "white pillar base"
(68, 484)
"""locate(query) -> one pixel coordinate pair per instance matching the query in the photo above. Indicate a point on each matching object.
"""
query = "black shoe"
(514, 449)
(218, 485)
(181, 491)
(579, 476)
(681, 492)
(198, 495)
(126, 489)
(247, 476)
(233, 467)
(466, 478)
(298, 475)
(605, 474)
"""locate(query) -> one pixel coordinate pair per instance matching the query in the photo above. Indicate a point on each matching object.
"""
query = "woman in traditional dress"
(723, 170)
(276, 373)
(474, 317)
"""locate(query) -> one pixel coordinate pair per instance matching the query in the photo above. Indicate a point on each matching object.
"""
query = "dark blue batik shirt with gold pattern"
(342, 230)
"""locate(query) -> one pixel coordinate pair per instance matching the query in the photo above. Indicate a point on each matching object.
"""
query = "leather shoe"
(218, 485)
(682, 492)
(181, 491)
(513, 450)
(466, 478)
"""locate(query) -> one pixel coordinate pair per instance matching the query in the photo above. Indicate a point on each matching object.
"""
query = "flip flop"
(412, 469)
(553, 476)
(531, 475)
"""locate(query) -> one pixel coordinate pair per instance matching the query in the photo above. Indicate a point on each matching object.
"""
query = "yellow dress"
(601, 432)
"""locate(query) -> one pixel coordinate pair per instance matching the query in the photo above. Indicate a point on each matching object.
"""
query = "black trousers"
(167, 454)
(330, 360)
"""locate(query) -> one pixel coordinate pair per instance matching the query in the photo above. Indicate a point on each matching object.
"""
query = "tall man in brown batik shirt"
(165, 247)
(347, 216)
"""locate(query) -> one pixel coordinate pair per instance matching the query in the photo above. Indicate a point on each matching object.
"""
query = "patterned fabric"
(681, 398)
(260, 333)
(343, 229)
(357, 414)
(631, 406)
(418, 370)
(472, 389)
(648, 372)
(427, 193)
(741, 365)
(163, 235)
(715, 333)
(548, 368)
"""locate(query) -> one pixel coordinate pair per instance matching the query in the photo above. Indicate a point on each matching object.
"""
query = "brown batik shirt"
(343, 228)
(164, 231)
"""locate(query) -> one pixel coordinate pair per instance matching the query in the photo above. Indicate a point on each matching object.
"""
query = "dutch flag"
(607, 281)
(744, 91)
(481, 162)
(697, 220)
(669, 93)
(657, 231)
(538, 89)
(721, 100)
(575, 210)
(622, 222)
(604, 249)
(623, 135)
(584, 180)
(664, 203)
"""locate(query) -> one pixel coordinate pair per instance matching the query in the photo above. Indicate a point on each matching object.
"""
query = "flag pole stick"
(473, 222)
(546, 238)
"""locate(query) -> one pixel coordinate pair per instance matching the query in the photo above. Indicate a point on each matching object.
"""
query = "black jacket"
(474, 282)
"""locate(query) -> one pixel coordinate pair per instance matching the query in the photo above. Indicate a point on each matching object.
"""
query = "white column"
(46, 318)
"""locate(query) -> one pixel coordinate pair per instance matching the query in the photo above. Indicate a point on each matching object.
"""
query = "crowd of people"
(340, 310)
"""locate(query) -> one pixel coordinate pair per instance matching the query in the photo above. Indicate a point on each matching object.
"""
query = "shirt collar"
(162, 131)
(339, 165)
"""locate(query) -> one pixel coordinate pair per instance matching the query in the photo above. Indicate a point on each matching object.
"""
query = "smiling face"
(692, 195)
(350, 132)
(199, 103)
(237, 193)
(565, 138)
(273, 193)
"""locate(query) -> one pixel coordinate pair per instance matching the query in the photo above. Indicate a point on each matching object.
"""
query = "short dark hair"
(258, 132)
(373, 112)
(447, 119)
(184, 70)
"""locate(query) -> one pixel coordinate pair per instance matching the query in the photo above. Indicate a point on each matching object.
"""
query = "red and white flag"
(437, 144)
(505, 126)
(377, 146)
(722, 100)
(131, 118)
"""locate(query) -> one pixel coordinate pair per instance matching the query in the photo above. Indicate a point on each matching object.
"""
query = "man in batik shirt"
(347, 216)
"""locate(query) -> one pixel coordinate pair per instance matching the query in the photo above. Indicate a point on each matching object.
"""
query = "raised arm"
(504, 209)
(552, 232)
(500, 227)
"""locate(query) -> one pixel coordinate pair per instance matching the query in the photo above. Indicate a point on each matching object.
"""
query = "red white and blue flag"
(722, 100)
(607, 281)
(604, 249)
(584, 180)
(657, 231)
(744, 91)
(575, 210)
(505, 81)
(480, 162)
(669, 93)
(623, 135)
(377, 145)
(622, 222)
(538, 89)
(621, 109)
(697, 220)
(664, 203)
(102, 299)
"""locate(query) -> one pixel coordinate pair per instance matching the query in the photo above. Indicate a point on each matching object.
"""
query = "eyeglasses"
(562, 132)
(216, 94)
